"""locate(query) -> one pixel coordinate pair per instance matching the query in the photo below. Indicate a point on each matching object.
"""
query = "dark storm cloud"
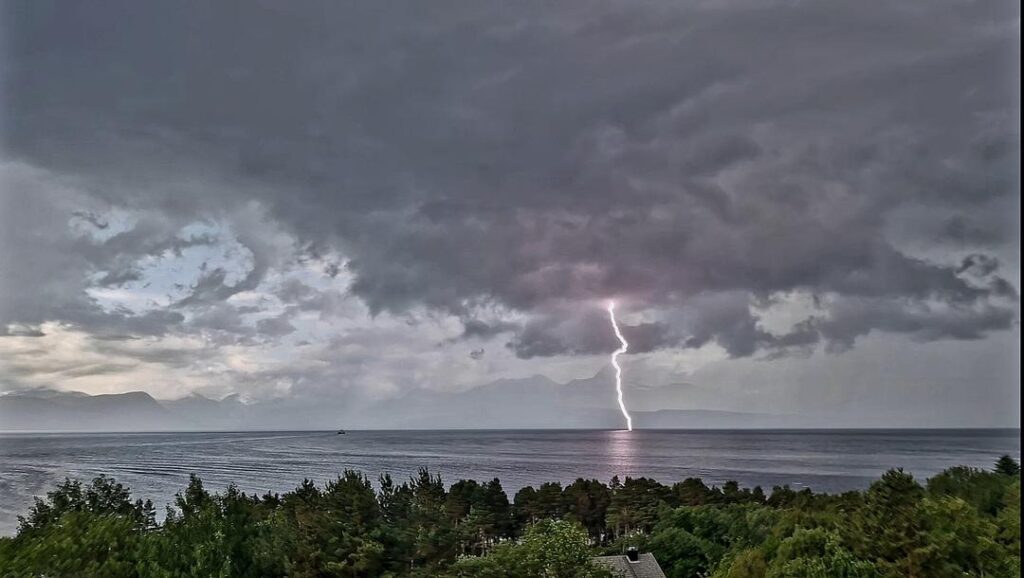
(16, 331)
(978, 265)
(92, 219)
(275, 326)
(222, 320)
(855, 317)
(118, 323)
(476, 328)
(585, 332)
(959, 229)
(532, 155)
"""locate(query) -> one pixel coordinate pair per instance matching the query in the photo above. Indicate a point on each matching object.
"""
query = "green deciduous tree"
(549, 549)
(817, 553)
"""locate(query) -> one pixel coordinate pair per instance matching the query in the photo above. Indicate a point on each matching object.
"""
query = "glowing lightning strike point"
(615, 363)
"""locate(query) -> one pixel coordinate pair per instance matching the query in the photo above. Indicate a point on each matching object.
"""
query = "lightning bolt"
(615, 363)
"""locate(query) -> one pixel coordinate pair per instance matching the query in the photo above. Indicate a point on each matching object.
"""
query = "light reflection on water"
(620, 453)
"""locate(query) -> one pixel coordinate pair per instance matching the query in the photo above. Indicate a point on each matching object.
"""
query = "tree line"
(962, 522)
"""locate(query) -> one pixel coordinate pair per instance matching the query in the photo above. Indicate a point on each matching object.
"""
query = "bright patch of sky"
(170, 276)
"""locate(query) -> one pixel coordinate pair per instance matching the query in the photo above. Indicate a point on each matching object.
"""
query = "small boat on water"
(341, 432)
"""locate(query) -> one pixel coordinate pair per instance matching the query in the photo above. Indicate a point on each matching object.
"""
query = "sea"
(157, 465)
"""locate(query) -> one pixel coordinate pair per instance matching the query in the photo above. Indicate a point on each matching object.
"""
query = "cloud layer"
(764, 178)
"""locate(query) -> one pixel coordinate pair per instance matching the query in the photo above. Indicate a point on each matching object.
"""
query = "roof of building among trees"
(646, 566)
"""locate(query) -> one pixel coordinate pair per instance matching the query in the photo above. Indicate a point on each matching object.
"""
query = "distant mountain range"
(534, 402)
(51, 410)
(539, 402)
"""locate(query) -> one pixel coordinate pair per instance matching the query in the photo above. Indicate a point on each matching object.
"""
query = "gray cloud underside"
(691, 160)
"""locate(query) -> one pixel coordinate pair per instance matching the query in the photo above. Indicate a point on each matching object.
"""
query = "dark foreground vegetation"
(962, 522)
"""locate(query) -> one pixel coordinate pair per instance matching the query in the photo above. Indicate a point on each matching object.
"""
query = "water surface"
(156, 465)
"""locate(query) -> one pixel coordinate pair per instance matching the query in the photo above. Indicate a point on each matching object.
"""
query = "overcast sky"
(804, 206)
